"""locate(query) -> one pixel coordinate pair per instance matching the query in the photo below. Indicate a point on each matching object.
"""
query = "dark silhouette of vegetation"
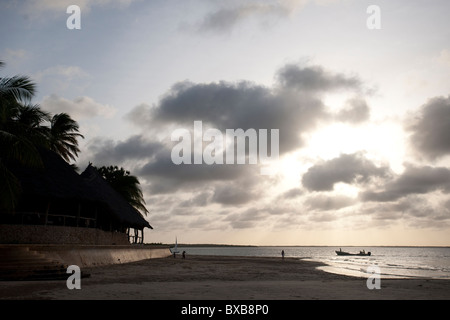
(24, 129)
(126, 185)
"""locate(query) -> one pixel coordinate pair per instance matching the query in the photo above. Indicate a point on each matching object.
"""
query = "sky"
(360, 98)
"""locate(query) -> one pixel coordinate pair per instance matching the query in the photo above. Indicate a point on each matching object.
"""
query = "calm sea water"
(393, 262)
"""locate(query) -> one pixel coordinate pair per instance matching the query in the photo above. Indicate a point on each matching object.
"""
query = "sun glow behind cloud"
(383, 141)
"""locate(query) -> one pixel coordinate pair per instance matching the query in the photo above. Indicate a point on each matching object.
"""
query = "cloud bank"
(430, 129)
(238, 197)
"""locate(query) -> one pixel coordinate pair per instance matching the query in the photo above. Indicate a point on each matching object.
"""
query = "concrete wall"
(82, 255)
(93, 256)
(39, 234)
(83, 247)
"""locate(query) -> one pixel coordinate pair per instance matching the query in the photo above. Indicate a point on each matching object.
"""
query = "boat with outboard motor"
(344, 253)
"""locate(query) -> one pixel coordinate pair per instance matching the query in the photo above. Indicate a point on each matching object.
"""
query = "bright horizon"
(362, 113)
(288, 246)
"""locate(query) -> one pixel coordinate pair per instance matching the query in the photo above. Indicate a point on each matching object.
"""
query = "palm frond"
(21, 88)
(63, 135)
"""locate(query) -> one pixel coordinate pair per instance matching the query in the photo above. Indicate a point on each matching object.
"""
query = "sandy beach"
(222, 278)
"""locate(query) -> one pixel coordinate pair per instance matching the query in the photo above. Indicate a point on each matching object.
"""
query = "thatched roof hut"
(57, 179)
(57, 195)
(103, 192)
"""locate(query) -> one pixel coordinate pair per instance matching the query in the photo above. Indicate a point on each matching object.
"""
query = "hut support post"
(95, 216)
(46, 213)
(78, 214)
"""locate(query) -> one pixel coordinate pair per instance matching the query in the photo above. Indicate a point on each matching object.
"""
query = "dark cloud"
(291, 193)
(199, 200)
(414, 180)
(226, 105)
(109, 152)
(355, 111)
(226, 18)
(315, 79)
(413, 210)
(323, 217)
(294, 106)
(324, 202)
(229, 16)
(140, 115)
(155, 162)
(202, 222)
(235, 106)
(348, 168)
(164, 176)
(162, 166)
(233, 195)
(242, 224)
(246, 219)
(430, 130)
(415, 206)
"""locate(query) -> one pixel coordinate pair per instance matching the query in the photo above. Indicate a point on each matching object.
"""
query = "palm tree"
(63, 136)
(126, 185)
(23, 132)
(18, 140)
(16, 88)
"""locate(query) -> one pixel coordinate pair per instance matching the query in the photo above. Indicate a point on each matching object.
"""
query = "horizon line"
(293, 245)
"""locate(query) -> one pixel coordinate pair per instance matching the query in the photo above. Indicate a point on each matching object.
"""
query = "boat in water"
(175, 249)
(344, 253)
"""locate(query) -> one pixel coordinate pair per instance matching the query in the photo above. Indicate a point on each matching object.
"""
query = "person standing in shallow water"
(282, 254)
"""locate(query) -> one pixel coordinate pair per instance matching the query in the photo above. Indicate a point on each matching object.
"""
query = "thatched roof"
(102, 191)
(57, 179)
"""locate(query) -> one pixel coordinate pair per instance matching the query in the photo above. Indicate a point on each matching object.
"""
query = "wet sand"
(222, 278)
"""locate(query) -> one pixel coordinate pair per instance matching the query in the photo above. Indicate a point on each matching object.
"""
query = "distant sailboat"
(175, 249)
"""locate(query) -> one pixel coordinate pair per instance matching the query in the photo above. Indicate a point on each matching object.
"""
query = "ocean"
(393, 262)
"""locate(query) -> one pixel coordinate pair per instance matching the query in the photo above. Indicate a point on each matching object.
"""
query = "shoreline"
(205, 277)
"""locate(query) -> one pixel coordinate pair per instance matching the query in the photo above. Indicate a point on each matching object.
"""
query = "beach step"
(21, 263)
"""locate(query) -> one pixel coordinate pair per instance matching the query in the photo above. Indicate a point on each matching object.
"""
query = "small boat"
(175, 249)
(344, 253)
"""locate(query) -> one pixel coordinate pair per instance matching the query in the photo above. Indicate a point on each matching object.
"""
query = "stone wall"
(39, 234)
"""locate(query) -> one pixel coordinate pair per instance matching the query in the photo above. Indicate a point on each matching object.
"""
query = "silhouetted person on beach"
(282, 254)
(184, 254)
